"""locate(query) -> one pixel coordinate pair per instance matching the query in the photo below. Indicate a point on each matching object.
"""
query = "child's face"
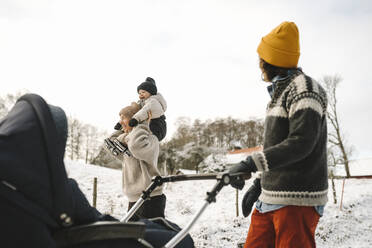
(143, 94)
(125, 124)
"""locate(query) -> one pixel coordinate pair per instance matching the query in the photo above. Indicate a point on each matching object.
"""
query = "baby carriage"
(41, 207)
(175, 237)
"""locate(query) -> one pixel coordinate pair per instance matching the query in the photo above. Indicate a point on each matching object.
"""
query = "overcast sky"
(89, 56)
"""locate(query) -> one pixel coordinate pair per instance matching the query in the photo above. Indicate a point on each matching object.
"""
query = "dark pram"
(39, 205)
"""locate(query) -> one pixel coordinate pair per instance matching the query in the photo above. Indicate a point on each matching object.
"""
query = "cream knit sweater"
(141, 166)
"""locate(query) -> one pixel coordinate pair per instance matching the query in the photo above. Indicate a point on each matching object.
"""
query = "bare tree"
(170, 161)
(340, 150)
(183, 134)
(84, 140)
(74, 140)
(167, 159)
(193, 142)
(8, 101)
(91, 142)
(331, 166)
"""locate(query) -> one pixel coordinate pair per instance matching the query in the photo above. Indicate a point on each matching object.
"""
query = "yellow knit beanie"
(281, 47)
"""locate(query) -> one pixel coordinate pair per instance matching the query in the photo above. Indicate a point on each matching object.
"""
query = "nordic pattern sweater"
(294, 156)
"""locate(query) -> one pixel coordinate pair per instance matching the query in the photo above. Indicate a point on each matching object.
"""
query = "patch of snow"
(218, 226)
(359, 167)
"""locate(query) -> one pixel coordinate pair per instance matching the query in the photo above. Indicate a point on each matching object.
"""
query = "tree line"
(195, 140)
(84, 141)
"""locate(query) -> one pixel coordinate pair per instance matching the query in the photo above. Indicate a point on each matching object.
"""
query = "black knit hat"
(149, 85)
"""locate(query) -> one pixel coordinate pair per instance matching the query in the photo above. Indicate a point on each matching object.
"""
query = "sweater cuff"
(260, 161)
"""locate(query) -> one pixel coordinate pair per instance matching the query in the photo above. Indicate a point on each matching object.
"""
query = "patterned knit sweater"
(294, 158)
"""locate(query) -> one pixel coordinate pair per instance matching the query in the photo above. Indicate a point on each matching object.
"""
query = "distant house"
(236, 155)
(217, 162)
(246, 151)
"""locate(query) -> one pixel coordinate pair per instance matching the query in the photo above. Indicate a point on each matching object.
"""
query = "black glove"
(118, 126)
(251, 196)
(133, 122)
(247, 166)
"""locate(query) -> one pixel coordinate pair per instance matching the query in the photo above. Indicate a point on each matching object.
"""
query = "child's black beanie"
(149, 85)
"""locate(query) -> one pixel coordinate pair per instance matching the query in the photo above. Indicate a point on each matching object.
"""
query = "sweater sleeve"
(152, 105)
(143, 144)
(306, 113)
(142, 114)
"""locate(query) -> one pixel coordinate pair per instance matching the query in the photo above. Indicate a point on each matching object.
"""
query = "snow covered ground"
(219, 227)
(357, 168)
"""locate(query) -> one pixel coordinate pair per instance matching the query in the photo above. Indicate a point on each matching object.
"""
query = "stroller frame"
(223, 179)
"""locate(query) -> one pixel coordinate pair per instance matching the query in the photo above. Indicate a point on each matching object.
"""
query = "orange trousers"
(287, 227)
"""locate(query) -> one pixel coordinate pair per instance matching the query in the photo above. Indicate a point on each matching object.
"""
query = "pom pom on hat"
(151, 80)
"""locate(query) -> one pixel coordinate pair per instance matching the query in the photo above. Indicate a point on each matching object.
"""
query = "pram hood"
(31, 159)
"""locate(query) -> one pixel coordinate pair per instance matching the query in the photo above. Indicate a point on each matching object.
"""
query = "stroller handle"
(223, 179)
(159, 180)
(206, 176)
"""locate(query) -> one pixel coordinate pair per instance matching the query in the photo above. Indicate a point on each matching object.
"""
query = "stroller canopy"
(31, 160)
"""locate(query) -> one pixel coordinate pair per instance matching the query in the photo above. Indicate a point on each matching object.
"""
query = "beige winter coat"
(141, 166)
(156, 104)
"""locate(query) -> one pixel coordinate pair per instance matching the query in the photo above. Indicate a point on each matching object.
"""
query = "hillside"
(218, 227)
